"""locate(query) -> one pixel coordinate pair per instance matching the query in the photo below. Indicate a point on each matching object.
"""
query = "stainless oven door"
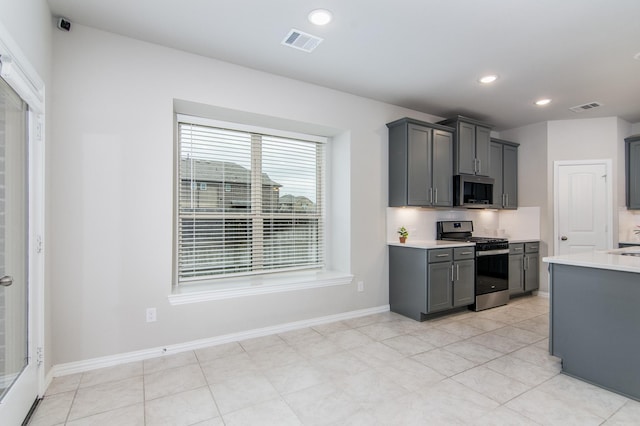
(492, 271)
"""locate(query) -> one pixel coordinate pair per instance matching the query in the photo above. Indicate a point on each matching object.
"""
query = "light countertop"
(433, 244)
(605, 259)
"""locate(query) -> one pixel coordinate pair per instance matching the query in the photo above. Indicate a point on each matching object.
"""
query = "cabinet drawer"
(516, 248)
(440, 255)
(462, 253)
(531, 247)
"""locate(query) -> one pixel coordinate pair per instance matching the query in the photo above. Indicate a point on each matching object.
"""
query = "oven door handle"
(491, 252)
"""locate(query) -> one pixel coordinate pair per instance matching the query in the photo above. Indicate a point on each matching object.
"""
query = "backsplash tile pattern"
(521, 224)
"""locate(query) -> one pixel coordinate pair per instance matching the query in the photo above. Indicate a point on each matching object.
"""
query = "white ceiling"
(421, 54)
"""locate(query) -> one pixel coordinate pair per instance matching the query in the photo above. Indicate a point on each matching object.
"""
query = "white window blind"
(247, 203)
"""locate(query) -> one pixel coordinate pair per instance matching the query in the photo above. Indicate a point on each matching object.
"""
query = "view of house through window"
(247, 202)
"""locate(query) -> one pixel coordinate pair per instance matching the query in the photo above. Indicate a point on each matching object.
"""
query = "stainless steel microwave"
(473, 191)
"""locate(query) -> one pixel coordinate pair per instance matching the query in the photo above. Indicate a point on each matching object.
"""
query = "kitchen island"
(595, 317)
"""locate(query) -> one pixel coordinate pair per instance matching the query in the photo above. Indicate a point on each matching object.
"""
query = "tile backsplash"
(521, 224)
(628, 222)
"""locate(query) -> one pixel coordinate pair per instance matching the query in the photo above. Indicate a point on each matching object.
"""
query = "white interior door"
(583, 206)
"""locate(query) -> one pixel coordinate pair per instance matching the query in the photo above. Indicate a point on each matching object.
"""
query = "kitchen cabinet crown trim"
(407, 120)
(505, 142)
(466, 120)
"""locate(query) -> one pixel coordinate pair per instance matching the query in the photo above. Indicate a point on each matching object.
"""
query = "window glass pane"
(247, 203)
(215, 169)
(292, 165)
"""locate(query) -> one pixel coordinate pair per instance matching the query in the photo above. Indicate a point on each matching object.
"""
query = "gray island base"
(595, 325)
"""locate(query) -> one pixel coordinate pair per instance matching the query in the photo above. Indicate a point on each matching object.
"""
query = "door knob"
(564, 238)
(6, 281)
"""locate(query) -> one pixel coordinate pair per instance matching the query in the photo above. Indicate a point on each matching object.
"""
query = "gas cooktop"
(462, 231)
(480, 240)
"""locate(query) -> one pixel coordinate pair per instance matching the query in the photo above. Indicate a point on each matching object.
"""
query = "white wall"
(29, 24)
(111, 174)
(635, 128)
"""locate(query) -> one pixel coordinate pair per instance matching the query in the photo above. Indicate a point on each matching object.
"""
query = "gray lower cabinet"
(464, 282)
(424, 281)
(524, 260)
(420, 164)
(632, 172)
(504, 170)
(439, 294)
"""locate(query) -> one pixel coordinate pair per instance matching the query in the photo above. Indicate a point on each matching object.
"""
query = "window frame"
(230, 284)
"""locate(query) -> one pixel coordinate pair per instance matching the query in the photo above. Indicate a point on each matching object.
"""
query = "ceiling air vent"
(302, 41)
(585, 107)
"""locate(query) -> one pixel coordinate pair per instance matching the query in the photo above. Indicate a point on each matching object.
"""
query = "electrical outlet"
(151, 314)
(360, 285)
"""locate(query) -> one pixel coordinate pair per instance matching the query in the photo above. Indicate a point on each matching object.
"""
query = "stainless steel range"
(492, 262)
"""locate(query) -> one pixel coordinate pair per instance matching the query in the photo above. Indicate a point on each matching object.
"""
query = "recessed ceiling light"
(488, 79)
(320, 17)
(543, 102)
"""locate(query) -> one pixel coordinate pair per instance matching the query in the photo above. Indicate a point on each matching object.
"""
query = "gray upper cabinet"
(504, 170)
(471, 146)
(510, 176)
(632, 172)
(420, 164)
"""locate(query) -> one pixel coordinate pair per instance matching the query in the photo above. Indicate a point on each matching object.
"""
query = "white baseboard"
(109, 361)
(544, 294)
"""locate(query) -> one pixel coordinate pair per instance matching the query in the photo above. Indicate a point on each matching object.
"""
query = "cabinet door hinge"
(39, 355)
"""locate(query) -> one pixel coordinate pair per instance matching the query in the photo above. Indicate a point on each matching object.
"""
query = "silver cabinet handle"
(466, 253)
(457, 272)
(436, 196)
(430, 195)
(479, 165)
(442, 255)
(6, 281)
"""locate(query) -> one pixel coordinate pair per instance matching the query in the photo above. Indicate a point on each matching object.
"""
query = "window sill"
(257, 284)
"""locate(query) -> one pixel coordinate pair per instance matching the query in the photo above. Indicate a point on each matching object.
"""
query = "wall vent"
(302, 41)
(586, 107)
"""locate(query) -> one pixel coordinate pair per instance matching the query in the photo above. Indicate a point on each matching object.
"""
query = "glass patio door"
(18, 387)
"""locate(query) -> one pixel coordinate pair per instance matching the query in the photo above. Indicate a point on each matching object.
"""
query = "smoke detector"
(585, 107)
(301, 41)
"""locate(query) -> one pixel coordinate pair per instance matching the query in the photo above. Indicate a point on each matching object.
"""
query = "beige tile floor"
(475, 368)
